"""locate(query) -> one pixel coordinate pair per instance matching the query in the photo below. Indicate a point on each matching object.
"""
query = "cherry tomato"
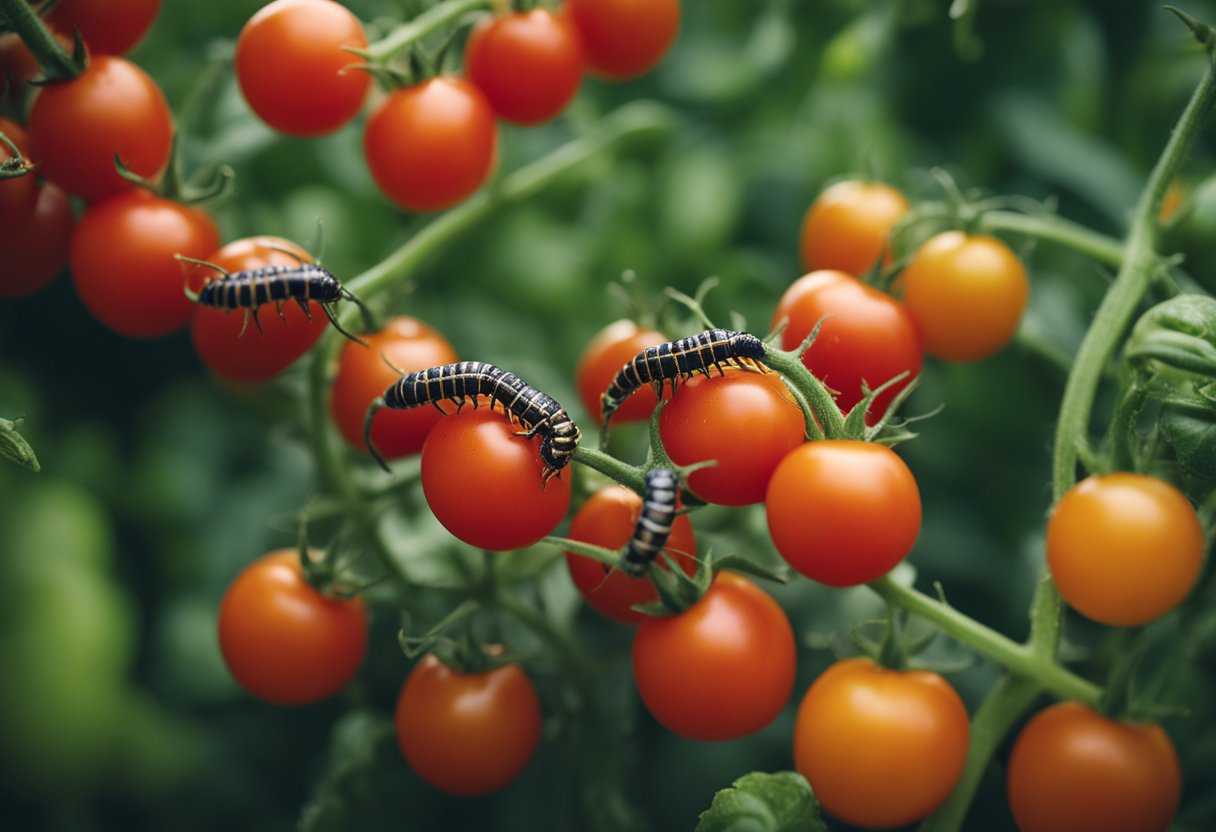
(363, 375)
(723, 668)
(1074, 770)
(745, 421)
(431, 145)
(847, 225)
(34, 242)
(109, 27)
(866, 336)
(528, 64)
(294, 70)
(1124, 549)
(483, 481)
(284, 641)
(123, 261)
(467, 733)
(610, 350)
(624, 38)
(18, 65)
(608, 519)
(842, 512)
(253, 355)
(966, 294)
(880, 747)
(17, 193)
(120, 110)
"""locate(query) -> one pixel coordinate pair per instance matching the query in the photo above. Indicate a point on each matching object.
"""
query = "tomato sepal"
(777, 802)
(677, 590)
(15, 448)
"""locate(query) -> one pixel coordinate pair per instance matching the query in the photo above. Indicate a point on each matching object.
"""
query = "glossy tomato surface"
(847, 226)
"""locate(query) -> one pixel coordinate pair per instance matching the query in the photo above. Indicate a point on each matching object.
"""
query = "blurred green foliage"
(159, 483)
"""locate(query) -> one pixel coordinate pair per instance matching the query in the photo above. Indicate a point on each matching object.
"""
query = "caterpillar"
(654, 524)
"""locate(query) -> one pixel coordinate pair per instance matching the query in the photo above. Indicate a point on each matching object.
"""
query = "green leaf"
(1180, 333)
(761, 802)
(1193, 438)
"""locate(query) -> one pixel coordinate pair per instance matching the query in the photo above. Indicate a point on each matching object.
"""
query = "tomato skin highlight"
(109, 27)
(847, 226)
(254, 356)
(723, 668)
(609, 350)
(745, 421)
(294, 71)
(467, 733)
(285, 642)
(966, 294)
(122, 112)
(410, 345)
(431, 145)
(1124, 549)
(623, 39)
(528, 64)
(866, 335)
(843, 512)
(483, 482)
(123, 263)
(608, 519)
(1074, 770)
(880, 747)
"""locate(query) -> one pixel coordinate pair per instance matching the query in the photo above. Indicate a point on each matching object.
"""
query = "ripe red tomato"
(723, 668)
(866, 336)
(483, 482)
(284, 641)
(966, 294)
(610, 350)
(123, 261)
(624, 38)
(608, 519)
(528, 64)
(36, 225)
(431, 145)
(847, 225)
(467, 733)
(294, 71)
(109, 27)
(880, 747)
(1124, 549)
(253, 356)
(363, 375)
(842, 512)
(120, 110)
(1074, 770)
(746, 421)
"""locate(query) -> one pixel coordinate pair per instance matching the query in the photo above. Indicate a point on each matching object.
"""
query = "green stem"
(1021, 659)
(1056, 229)
(610, 466)
(1140, 261)
(802, 380)
(22, 19)
(432, 20)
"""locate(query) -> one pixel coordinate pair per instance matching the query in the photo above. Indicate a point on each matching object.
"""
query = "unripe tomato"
(847, 226)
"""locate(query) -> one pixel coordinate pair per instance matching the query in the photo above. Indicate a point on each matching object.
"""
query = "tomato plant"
(847, 226)
(966, 294)
(122, 112)
(1124, 548)
(467, 733)
(123, 263)
(723, 668)
(608, 351)
(283, 640)
(294, 70)
(483, 481)
(109, 27)
(865, 336)
(364, 373)
(1074, 769)
(843, 512)
(745, 421)
(431, 145)
(250, 355)
(608, 519)
(880, 747)
(528, 64)
(624, 38)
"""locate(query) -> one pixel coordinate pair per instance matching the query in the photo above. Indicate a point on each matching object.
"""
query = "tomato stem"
(430, 21)
(810, 388)
(21, 17)
(610, 466)
(1055, 229)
